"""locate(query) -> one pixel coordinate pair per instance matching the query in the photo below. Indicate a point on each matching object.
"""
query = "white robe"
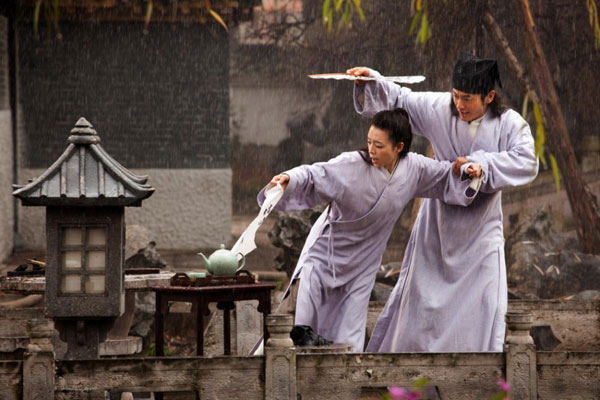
(343, 250)
(452, 293)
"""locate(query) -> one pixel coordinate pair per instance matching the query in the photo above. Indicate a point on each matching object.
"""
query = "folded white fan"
(396, 79)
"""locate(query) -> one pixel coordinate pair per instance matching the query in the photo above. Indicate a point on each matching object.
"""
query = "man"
(452, 293)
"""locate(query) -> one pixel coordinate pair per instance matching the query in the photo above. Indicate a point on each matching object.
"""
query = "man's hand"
(281, 179)
(460, 161)
(358, 71)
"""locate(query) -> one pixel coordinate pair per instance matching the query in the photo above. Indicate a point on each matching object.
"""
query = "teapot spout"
(205, 261)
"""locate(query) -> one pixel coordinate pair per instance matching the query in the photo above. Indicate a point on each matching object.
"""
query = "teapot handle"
(243, 262)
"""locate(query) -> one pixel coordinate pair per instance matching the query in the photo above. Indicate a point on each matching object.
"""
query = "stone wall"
(6, 147)
(159, 103)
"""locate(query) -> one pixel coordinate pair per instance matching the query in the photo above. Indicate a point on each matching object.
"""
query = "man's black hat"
(475, 75)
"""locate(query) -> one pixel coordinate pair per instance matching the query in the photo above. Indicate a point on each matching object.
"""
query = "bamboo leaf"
(36, 16)
(525, 106)
(55, 9)
(540, 134)
(359, 10)
(337, 5)
(426, 35)
(413, 23)
(592, 8)
(149, 9)
(218, 18)
(325, 14)
(555, 172)
(55, 4)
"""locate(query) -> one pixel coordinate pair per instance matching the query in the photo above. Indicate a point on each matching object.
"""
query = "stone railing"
(285, 372)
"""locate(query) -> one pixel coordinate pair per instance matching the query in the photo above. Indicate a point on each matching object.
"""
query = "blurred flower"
(503, 385)
(398, 393)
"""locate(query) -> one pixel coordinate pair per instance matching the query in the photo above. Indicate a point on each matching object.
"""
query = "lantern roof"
(85, 175)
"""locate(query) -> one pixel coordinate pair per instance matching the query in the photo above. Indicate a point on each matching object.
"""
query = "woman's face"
(381, 150)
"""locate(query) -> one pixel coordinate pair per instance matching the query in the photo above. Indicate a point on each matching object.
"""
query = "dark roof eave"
(82, 202)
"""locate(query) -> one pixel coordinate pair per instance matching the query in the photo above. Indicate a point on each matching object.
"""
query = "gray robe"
(452, 293)
(343, 250)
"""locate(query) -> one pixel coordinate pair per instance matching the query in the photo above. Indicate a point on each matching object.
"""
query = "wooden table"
(200, 297)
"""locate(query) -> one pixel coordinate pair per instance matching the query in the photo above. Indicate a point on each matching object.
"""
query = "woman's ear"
(400, 146)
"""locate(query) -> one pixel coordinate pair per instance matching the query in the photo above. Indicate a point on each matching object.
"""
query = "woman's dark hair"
(397, 125)
(497, 106)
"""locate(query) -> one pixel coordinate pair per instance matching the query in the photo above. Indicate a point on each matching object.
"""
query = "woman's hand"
(281, 179)
(474, 170)
(358, 71)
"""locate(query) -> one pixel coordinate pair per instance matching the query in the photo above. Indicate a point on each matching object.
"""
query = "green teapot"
(223, 262)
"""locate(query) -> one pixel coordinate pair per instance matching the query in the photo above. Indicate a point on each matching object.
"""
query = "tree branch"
(504, 48)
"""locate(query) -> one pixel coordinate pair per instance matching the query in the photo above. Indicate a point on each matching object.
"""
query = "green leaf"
(413, 23)
(425, 30)
(540, 134)
(338, 4)
(555, 172)
(36, 16)
(359, 10)
(325, 17)
(525, 106)
(55, 4)
(149, 9)
(593, 19)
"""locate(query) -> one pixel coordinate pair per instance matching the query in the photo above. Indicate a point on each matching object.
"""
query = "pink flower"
(503, 385)
(398, 393)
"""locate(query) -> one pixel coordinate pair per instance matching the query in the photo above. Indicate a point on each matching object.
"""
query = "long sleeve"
(437, 181)
(517, 165)
(422, 107)
(311, 185)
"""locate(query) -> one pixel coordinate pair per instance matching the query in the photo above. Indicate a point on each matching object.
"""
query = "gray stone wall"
(190, 209)
(6, 147)
(159, 102)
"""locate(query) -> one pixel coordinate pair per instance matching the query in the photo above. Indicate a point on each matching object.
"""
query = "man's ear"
(400, 147)
(490, 96)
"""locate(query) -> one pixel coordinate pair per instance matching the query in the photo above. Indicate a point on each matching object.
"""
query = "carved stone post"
(38, 365)
(520, 356)
(280, 359)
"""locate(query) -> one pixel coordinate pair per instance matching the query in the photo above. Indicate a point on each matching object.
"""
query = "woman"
(366, 191)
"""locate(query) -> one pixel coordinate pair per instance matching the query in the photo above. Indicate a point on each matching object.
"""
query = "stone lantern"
(85, 192)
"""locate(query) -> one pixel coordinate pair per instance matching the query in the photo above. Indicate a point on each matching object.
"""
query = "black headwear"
(475, 75)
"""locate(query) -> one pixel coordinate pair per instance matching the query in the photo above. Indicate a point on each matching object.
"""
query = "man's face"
(471, 106)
